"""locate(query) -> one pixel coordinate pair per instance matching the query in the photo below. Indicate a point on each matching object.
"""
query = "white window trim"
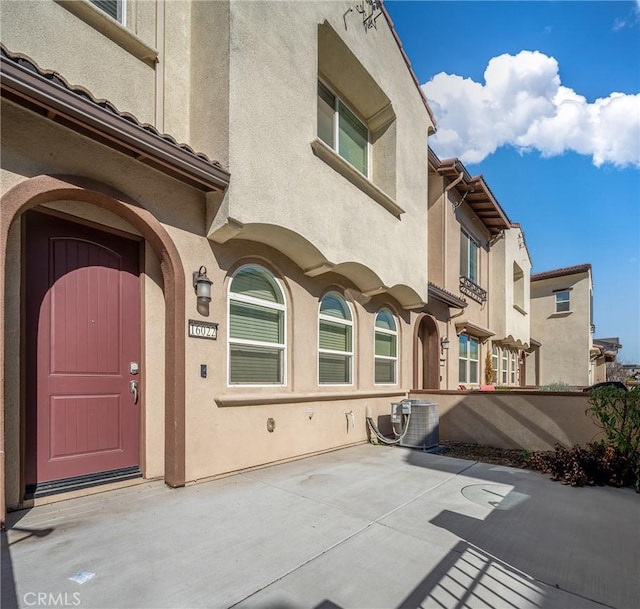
(255, 343)
(471, 239)
(468, 361)
(504, 370)
(112, 29)
(495, 362)
(351, 354)
(568, 300)
(336, 129)
(385, 357)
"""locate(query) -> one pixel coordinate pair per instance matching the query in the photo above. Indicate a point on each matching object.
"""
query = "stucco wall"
(225, 426)
(506, 320)
(59, 40)
(278, 181)
(514, 419)
(565, 337)
(447, 218)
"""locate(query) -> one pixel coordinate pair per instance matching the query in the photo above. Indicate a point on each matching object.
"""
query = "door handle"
(133, 388)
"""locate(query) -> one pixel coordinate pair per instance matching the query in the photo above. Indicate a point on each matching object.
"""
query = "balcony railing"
(472, 290)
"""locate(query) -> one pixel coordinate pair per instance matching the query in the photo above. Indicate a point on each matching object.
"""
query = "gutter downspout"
(445, 241)
(449, 327)
(445, 212)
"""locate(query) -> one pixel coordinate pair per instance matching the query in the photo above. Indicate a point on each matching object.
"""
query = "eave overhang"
(48, 94)
(472, 329)
(451, 300)
(568, 270)
(475, 191)
(514, 343)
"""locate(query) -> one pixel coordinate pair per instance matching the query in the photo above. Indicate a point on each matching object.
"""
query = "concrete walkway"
(362, 527)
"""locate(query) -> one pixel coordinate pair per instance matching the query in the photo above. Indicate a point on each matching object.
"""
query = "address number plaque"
(203, 329)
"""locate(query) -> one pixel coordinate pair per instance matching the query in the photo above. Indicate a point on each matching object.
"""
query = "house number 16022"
(203, 329)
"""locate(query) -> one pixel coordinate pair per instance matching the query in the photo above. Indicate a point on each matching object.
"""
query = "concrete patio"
(366, 527)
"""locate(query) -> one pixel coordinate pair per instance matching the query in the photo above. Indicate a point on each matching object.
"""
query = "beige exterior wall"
(86, 52)
(566, 337)
(291, 211)
(285, 194)
(220, 418)
(447, 219)
(515, 419)
(510, 293)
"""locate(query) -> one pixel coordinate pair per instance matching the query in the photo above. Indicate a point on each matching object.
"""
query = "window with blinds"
(335, 341)
(113, 8)
(386, 348)
(341, 129)
(257, 343)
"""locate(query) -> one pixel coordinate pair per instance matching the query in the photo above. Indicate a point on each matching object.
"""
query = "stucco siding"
(565, 336)
(43, 30)
(279, 181)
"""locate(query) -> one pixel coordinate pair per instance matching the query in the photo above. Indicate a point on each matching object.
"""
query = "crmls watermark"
(52, 599)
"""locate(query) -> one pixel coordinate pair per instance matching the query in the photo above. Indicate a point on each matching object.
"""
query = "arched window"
(335, 341)
(257, 327)
(386, 348)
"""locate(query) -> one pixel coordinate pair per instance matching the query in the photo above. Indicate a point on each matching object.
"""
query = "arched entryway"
(48, 188)
(426, 370)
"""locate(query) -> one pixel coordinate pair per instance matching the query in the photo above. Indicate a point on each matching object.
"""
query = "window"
(386, 348)
(494, 362)
(562, 301)
(342, 130)
(113, 8)
(505, 366)
(468, 258)
(335, 341)
(468, 359)
(513, 367)
(256, 329)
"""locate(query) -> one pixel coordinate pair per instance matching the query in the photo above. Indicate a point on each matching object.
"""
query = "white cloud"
(523, 104)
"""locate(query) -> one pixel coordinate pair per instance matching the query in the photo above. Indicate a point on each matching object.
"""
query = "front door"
(428, 356)
(82, 335)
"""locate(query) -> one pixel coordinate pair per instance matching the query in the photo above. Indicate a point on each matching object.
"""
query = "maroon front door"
(82, 330)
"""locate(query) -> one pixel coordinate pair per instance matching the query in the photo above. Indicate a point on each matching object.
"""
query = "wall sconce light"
(444, 343)
(202, 285)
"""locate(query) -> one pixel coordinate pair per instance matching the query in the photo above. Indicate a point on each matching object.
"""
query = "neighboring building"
(479, 285)
(309, 230)
(632, 370)
(607, 352)
(562, 322)
(510, 307)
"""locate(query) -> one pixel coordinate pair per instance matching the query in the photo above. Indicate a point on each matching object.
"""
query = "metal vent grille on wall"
(423, 431)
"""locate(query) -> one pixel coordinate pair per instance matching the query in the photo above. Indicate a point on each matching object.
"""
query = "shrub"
(490, 375)
(616, 459)
(597, 464)
(555, 386)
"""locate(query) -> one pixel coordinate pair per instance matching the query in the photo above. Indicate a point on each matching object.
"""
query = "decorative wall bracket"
(369, 10)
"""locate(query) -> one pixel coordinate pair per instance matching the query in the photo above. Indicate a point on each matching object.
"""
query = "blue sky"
(543, 99)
